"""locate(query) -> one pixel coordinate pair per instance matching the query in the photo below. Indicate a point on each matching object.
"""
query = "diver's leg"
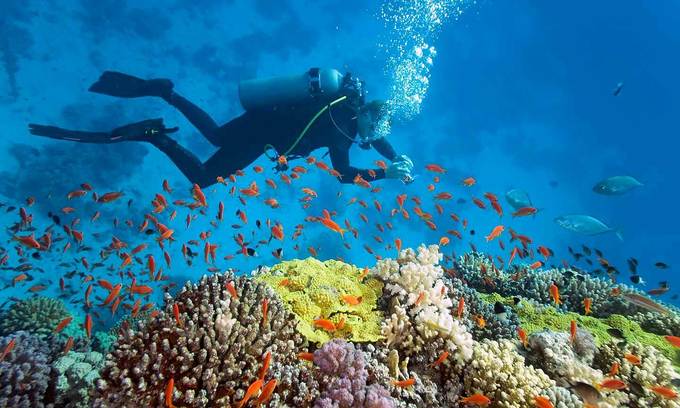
(186, 162)
(197, 116)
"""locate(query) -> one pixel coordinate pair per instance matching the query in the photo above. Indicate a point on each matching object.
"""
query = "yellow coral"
(312, 289)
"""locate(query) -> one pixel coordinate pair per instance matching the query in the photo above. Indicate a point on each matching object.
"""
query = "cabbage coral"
(312, 290)
(38, 315)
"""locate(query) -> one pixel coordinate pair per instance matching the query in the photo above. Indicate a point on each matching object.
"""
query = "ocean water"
(515, 94)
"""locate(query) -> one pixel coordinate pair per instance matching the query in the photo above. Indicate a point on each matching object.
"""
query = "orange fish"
(543, 402)
(324, 324)
(175, 312)
(306, 356)
(615, 369)
(662, 391)
(108, 197)
(536, 265)
(524, 211)
(62, 324)
(112, 294)
(68, 345)
(522, 336)
(88, 325)
(673, 340)
(198, 195)
(633, 359)
(469, 181)
(572, 331)
(587, 303)
(363, 274)
(397, 244)
(265, 308)
(266, 393)
(435, 168)
(8, 349)
(332, 225)
(495, 233)
(250, 392)
(613, 384)
(169, 390)
(141, 289)
(555, 294)
(480, 400)
(481, 322)
(404, 383)
(265, 365)
(351, 300)
(441, 359)
(461, 307)
(231, 289)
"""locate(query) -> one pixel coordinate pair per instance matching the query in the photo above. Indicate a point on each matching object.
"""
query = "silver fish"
(585, 224)
(518, 198)
(616, 185)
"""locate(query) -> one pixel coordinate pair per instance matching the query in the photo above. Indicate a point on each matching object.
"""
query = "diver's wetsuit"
(242, 140)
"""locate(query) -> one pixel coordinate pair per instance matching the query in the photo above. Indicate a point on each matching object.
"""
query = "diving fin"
(127, 86)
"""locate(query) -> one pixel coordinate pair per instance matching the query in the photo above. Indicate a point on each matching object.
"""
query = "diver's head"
(369, 119)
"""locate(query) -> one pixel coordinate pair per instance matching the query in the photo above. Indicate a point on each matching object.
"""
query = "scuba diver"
(286, 118)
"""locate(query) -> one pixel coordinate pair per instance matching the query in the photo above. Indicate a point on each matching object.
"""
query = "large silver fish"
(518, 198)
(585, 224)
(616, 185)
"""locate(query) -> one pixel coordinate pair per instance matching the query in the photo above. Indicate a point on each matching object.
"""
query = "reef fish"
(518, 199)
(616, 185)
(645, 303)
(585, 224)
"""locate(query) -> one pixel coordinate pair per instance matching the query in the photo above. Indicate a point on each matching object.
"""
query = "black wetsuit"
(242, 140)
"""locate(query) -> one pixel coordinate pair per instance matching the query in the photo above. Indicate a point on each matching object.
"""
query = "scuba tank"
(314, 84)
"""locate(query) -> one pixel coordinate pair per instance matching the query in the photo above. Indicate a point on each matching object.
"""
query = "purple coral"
(345, 369)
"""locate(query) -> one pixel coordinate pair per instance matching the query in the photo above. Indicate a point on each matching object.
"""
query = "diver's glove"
(399, 170)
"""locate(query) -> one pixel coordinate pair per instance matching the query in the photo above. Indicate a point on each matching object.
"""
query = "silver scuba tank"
(262, 93)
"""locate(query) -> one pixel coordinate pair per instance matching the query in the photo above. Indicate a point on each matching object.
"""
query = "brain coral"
(312, 289)
(38, 315)
(213, 350)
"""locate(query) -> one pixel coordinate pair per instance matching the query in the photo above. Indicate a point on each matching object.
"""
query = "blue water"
(520, 96)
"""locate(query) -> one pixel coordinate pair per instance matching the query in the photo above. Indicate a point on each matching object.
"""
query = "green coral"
(536, 318)
(312, 289)
(39, 315)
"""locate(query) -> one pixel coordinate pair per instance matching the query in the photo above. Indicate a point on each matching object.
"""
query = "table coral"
(38, 315)
(312, 289)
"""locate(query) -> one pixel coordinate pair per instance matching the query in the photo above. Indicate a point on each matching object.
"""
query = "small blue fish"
(616, 185)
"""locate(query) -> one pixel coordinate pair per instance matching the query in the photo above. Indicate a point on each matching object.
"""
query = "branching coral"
(499, 372)
(27, 379)
(213, 350)
(653, 370)
(38, 315)
(312, 289)
(420, 307)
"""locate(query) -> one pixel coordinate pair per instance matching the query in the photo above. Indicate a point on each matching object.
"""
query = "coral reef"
(38, 315)
(27, 378)
(345, 378)
(574, 286)
(211, 340)
(653, 370)
(657, 323)
(498, 371)
(535, 317)
(312, 289)
(77, 374)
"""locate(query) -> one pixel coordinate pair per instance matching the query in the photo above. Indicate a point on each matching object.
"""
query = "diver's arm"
(340, 160)
(384, 147)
